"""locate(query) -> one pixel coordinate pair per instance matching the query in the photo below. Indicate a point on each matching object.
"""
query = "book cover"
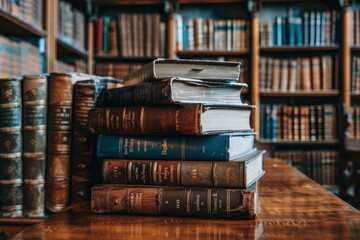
(35, 92)
(175, 201)
(11, 165)
(193, 119)
(240, 173)
(218, 147)
(187, 68)
(174, 90)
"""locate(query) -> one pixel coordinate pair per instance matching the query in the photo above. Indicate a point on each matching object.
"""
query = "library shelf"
(293, 142)
(67, 49)
(124, 59)
(156, 2)
(300, 49)
(14, 26)
(355, 48)
(200, 53)
(355, 95)
(301, 93)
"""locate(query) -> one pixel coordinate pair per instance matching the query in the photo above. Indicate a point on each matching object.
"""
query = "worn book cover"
(198, 69)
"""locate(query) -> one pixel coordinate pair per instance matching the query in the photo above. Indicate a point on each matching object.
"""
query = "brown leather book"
(11, 200)
(59, 139)
(238, 173)
(34, 143)
(305, 74)
(175, 201)
(198, 119)
(315, 73)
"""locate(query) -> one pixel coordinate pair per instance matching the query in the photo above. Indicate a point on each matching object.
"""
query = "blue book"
(222, 147)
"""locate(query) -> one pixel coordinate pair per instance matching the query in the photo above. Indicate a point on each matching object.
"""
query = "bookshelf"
(329, 49)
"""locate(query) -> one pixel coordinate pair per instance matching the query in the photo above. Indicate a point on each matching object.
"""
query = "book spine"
(82, 154)
(177, 201)
(145, 74)
(175, 173)
(158, 92)
(11, 195)
(175, 148)
(142, 120)
(34, 144)
(59, 138)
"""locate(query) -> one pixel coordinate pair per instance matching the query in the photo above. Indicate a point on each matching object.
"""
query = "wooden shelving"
(299, 49)
(213, 53)
(155, 2)
(300, 93)
(287, 142)
(66, 49)
(123, 59)
(355, 48)
(13, 26)
(23, 221)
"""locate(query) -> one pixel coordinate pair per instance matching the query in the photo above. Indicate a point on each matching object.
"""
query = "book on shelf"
(196, 119)
(175, 90)
(198, 69)
(224, 147)
(238, 173)
(176, 201)
(35, 90)
(11, 165)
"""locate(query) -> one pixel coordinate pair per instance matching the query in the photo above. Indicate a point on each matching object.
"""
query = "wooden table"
(291, 206)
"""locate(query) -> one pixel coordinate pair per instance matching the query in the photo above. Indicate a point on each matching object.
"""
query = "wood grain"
(291, 206)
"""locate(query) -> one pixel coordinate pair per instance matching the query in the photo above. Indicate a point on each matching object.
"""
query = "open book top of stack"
(186, 68)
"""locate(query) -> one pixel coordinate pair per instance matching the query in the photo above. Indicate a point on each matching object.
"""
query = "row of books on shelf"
(19, 57)
(130, 35)
(321, 166)
(76, 66)
(191, 165)
(71, 24)
(209, 34)
(354, 129)
(313, 28)
(302, 73)
(355, 27)
(298, 123)
(36, 132)
(29, 11)
(355, 74)
(116, 70)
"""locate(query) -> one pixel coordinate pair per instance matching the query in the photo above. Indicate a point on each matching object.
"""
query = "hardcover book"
(175, 90)
(222, 147)
(198, 69)
(195, 119)
(239, 173)
(176, 201)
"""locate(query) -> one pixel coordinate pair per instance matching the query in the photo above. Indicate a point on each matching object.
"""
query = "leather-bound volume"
(34, 200)
(175, 201)
(86, 93)
(196, 119)
(59, 139)
(239, 173)
(11, 197)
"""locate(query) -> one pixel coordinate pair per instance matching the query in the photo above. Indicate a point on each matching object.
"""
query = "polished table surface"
(291, 206)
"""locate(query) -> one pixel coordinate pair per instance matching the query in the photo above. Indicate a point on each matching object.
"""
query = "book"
(162, 68)
(176, 201)
(35, 89)
(193, 119)
(175, 90)
(239, 173)
(222, 147)
(11, 195)
(86, 94)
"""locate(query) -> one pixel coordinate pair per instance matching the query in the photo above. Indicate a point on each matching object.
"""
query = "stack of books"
(176, 140)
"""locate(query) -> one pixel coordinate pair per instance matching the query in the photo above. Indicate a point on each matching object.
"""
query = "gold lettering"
(164, 146)
(177, 203)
